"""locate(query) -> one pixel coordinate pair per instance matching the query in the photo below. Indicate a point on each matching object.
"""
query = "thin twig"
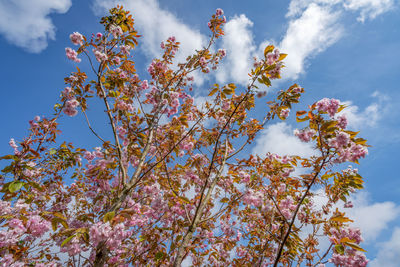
(93, 131)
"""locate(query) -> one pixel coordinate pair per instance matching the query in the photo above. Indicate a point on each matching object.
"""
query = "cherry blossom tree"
(175, 185)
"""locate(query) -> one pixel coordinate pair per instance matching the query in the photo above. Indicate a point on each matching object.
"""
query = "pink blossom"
(203, 61)
(73, 247)
(144, 85)
(76, 38)
(7, 260)
(305, 135)
(348, 204)
(285, 113)
(100, 56)
(352, 153)
(341, 140)
(117, 60)
(37, 226)
(253, 198)
(172, 39)
(272, 57)
(125, 49)
(88, 156)
(116, 31)
(221, 53)
(16, 224)
(351, 258)
(296, 89)
(70, 107)
(70, 112)
(342, 121)
(72, 54)
(226, 104)
(12, 143)
(329, 106)
(245, 176)
(99, 232)
(219, 12)
(73, 103)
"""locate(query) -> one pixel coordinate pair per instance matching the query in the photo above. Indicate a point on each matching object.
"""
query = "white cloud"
(279, 138)
(296, 7)
(239, 44)
(315, 25)
(371, 218)
(368, 117)
(369, 8)
(388, 254)
(315, 30)
(238, 39)
(156, 25)
(27, 23)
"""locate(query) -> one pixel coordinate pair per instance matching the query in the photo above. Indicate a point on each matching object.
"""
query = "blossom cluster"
(18, 231)
(72, 54)
(305, 135)
(351, 257)
(76, 38)
(71, 103)
(329, 106)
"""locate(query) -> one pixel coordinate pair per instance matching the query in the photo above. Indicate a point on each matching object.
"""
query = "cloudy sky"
(346, 49)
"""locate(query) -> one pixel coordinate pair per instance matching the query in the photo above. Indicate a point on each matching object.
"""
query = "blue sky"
(346, 49)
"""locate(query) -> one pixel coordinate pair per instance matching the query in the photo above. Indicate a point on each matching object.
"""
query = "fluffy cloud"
(157, 27)
(239, 44)
(27, 23)
(279, 138)
(311, 33)
(369, 8)
(238, 39)
(368, 117)
(297, 7)
(371, 226)
(388, 254)
(314, 25)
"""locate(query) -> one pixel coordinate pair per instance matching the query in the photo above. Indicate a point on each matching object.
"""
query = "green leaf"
(59, 215)
(15, 186)
(112, 93)
(8, 169)
(9, 157)
(159, 255)
(282, 57)
(224, 200)
(354, 246)
(67, 240)
(306, 118)
(56, 221)
(339, 249)
(340, 218)
(232, 86)
(268, 49)
(109, 216)
(213, 91)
